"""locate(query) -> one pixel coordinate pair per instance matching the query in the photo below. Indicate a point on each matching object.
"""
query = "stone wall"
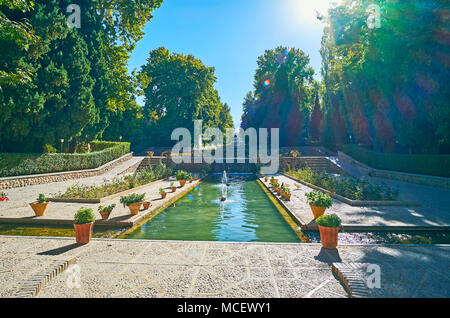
(23, 181)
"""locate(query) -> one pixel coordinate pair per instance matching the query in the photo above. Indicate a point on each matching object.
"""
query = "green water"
(53, 230)
(247, 215)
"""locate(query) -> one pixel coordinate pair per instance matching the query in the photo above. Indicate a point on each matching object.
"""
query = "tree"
(279, 98)
(389, 84)
(180, 91)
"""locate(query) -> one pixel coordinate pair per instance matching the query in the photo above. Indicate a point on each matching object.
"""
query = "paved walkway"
(398, 216)
(129, 268)
(18, 205)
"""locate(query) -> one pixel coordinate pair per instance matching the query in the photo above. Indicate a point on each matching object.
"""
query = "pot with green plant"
(190, 178)
(319, 202)
(83, 224)
(163, 193)
(105, 211)
(329, 226)
(39, 205)
(295, 153)
(133, 202)
(182, 176)
(173, 187)
(275, 187)
(286, 194)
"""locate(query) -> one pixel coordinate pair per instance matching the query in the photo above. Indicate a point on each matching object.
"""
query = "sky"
(230, 35)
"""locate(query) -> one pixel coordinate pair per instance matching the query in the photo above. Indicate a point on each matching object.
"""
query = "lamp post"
(120, 137)
(62, 141)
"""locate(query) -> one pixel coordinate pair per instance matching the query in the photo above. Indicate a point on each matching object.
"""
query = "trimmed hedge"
(434, 165)
(103, 152)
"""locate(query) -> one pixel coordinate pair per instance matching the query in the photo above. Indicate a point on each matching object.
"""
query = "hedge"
(102, 153)
(434, 165)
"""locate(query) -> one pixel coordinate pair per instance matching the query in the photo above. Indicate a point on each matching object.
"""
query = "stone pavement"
(130, 268)
(370, 217)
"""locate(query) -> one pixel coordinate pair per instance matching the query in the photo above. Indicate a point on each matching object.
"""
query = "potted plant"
(181, 177)
(319, 202)
(83, 224)
(173, 187)
(275, 187)
(195, 178)
(163, 193)
(329, 226)
(286, 194)
(150, 153)
(39, 205)
(105, 211)
(133, 202)
(266, 178)
(295, 153)
(189, 177)
(273, 180)
(146, 204)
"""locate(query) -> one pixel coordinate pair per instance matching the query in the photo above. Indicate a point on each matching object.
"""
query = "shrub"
(329, 220)
(48, 149)
(435, 165)
(345, 186)
(56, 162)
(181, 175)
(318, 198)
(84, 216)
(41, 198)
(132, 198)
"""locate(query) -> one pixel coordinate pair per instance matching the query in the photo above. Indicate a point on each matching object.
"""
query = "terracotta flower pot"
(83, 232)
(329, 236)
(163, 195)
(150, 153)
(294, 155)
(195, 178)
(174, 189)
(317, 210)
(182, 183)
(39, 208)
(287, 197)
(105, 214)
(146, 205)
(135, 207)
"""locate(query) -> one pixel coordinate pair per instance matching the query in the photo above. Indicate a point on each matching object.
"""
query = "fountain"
(225, 183)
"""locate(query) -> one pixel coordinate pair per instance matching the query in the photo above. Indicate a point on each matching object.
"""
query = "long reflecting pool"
(247, 215)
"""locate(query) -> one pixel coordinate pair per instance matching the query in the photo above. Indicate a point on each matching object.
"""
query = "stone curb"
(348, 274)
(35, 283)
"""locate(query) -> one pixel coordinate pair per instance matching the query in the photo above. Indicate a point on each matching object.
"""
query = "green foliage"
(280, 95)
(345, 186)
(48, 149)
(329, 220)
(182, 175)
(183, 94)
(435, 165)
(318, 198)
(117, 185)
(387, 87)
(84, 216)
(41, 198)
(132, 198)
(107, 208)
(56, 162)
(57, 82)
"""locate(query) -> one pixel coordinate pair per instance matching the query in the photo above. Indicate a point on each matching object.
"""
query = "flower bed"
(27, 164)
(345, 186)
(150, 174)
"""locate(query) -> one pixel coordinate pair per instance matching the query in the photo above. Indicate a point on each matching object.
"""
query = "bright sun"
(306, 10)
